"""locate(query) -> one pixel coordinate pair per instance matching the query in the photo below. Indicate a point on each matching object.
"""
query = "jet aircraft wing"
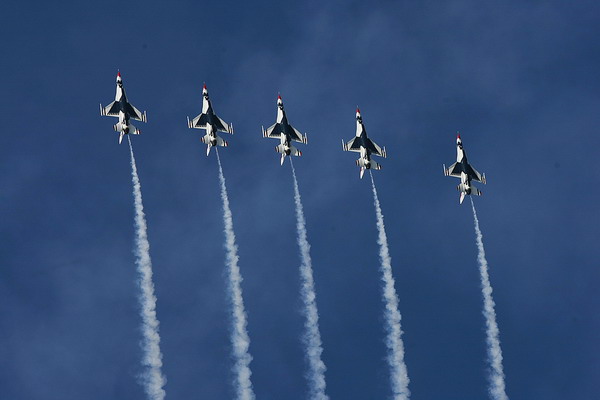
(199, 122)
(352, 145)
(296, 136)
(274, 131)
(223, 126)
(134, 113)
(476, 176)
(454, 170)
(375, 149)
(112, 110)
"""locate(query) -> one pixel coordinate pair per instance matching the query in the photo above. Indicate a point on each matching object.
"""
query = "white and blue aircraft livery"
(209, 121)
(285, 132)
(365, 146)
(123, 110)
(463, 170)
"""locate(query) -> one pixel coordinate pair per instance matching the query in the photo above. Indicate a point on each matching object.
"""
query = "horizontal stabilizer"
(370, 164)
(214, 141)
(280, 148)
(221, 142)
(463, 191)
(133, 130)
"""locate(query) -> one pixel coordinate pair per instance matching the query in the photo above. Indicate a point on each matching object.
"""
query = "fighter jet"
(463, 170)
(209, 121)
(285, 132)
(365, 146)
(122, 109)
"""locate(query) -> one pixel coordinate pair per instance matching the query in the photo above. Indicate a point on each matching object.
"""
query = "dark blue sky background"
(518, 79)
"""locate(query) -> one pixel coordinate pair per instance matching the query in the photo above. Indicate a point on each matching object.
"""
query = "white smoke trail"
(153, 378)
(497, 387)
(398, 371)
(312, 337)
(239, 334)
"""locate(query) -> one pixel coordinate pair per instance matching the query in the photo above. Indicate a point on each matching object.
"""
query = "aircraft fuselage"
(124, 116)
(365, 152)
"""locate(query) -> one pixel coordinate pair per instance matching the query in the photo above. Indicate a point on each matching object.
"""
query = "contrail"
(153, 378)
(497, 387)
(398, 371)
(312, 337)
(239, 334)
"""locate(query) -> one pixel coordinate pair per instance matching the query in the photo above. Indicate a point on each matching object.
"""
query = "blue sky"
(519, 80)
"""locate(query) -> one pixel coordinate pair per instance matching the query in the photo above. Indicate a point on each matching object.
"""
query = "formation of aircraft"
(212, 124)
(122, 109)
(365, 146)
(285, 132)
(463, 170)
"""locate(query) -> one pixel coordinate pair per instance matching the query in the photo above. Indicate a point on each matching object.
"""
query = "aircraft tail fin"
(463, 192)
(119, 127)
(280, 148)
(207, 139)
(368, 164)
(210, 142)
